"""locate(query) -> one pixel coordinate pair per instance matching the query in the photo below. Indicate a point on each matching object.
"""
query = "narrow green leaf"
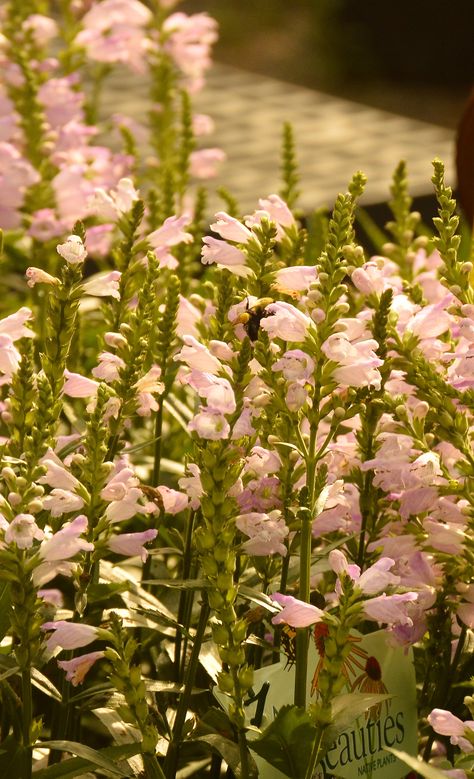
(77, 766)
(45, 685)
(229, 750)
(4, 609)
(418, 765)
(93, 756)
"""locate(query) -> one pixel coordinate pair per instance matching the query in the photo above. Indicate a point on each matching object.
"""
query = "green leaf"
(77, 766)
(10, 672)
(230, 752)
(418, 765)
(286, 743)
(92, 756)
(4, 609)
(44, 684)
(11, 758)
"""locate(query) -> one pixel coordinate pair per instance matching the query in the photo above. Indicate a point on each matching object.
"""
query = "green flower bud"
(209, 566)
(216, 601)
(204, 539)
(220, 634)
(225, 682)
(225, 581)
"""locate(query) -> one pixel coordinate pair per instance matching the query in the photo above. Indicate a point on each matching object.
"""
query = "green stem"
(184, 594)
(171, 760)
(153, 769)
(313, 760)
(302, 638)
(27, 703)
(158, 438)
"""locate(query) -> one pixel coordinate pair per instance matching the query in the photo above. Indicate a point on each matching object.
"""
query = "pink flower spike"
(296, 613)
(77, 668)
(69, 635)
(73, 250)
(77, 386)
(131, 544)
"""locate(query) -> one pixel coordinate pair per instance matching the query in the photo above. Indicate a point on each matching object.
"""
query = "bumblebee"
(253, 315)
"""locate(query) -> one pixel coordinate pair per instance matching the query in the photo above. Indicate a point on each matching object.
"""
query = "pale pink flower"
(188, 42)
(432, 320)
(445, 537)
(14, 325)
(73, 250)
(217, 391)
(43, 28)
(171, 232)
(286, 322)
(295, 365)
(203, 163)
(371, 278)
(150, 382)
(262, 461)
(45, 225)
(9, 359)
(173, 500)
(446, 724)
(38, 276)
(126, 507)
(225, 255)
(77, 668)
(211, 425)
(298, 278)
(197, 356)
(266, 533)
(295, 613)
(187, 319)
(103, 284)
(22, 531)
(230, 228)
(52, 596)
(191, 484)
(109, 367)
(66, 542)
(296, 396)
(221, 350)
(109, 12)
(99, 239)
(243, 425)
(203, 124)
(69, 635)
(62, 103)
(118, 43)
(390, 609)
(131, 544)
(56, 474)
(119, 483)
(358, 362)
(77, 386)
(60, 502)
(113, 204)
(277, 210)
(46, 572)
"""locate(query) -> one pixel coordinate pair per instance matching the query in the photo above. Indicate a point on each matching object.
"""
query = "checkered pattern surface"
(334, 137)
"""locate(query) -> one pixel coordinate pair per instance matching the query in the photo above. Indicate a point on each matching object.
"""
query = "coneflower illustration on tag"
(372, 666)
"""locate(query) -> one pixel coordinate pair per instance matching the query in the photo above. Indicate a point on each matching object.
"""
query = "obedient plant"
(236, 451)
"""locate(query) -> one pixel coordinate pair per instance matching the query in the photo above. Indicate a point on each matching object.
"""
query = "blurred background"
(411, 57)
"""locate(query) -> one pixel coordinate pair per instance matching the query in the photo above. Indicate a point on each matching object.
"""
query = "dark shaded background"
(412, 57)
